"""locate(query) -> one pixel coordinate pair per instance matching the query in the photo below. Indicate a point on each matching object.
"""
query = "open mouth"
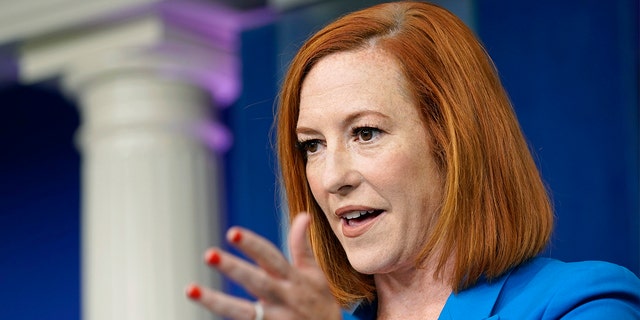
(357, 217)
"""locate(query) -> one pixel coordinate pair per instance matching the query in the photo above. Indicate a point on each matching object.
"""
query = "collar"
(476, 302)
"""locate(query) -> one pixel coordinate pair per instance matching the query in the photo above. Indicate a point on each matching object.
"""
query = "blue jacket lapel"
(476, 302)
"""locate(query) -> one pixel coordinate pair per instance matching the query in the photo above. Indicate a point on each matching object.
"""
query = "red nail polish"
(194, 292)
(236, 236)
(213, 257)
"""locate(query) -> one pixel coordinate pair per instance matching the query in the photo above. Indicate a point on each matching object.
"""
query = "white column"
(151, 194)
(142, 72)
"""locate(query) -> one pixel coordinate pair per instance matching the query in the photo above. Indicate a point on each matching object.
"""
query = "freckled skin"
(392, 170)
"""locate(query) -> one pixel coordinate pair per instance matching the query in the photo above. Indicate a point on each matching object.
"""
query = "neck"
(412, 293)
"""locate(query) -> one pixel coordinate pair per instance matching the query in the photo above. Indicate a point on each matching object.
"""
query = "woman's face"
(369, 160)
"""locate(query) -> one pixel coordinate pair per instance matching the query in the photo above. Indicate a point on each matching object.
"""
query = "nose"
(340, 175)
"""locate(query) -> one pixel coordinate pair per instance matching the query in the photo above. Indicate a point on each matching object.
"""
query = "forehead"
(353, 79)
(369, 66)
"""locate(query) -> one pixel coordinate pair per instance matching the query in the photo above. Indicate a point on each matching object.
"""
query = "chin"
(370, 264)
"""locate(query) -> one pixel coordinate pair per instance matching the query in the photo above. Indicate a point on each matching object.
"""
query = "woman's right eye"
(308, 146)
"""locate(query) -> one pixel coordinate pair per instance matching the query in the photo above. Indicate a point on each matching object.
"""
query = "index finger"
(262, 251)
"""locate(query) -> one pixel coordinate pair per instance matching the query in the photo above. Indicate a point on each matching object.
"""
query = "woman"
(397, 138)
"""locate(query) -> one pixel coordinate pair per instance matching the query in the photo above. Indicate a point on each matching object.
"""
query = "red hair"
(495, 211)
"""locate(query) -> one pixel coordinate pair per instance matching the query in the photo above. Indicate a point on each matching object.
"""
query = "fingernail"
(194, 292)
(212, 257)
(236, 236)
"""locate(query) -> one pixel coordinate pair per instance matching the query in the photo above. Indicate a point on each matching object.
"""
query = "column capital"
(193, 41)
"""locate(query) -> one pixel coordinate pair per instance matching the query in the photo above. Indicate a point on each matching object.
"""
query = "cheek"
(404, 173)
(389, 167)
(313, 179)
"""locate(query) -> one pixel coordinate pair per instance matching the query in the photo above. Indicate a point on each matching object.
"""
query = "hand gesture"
(284, 291)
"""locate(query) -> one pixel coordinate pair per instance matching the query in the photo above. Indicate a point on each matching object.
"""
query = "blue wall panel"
(571, 68)
(250, 164)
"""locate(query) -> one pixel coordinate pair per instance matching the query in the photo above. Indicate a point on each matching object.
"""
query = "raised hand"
(285, 291)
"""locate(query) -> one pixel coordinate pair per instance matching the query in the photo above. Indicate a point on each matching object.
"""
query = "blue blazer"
(544, 288)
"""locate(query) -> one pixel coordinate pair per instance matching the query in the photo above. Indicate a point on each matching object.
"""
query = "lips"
(357, 221)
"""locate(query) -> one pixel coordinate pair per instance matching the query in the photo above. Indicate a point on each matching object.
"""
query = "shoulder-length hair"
(495, 211)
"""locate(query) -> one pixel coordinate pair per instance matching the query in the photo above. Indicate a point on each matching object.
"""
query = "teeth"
(356, 214)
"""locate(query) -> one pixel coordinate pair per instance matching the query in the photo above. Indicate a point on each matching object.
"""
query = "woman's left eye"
(366, 133)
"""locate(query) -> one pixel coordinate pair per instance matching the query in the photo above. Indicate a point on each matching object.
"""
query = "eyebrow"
(349, 119)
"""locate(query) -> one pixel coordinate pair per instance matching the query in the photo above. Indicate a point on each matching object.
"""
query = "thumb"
(299, 246)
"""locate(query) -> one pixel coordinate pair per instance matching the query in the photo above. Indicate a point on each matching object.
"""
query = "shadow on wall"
(39, 205)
